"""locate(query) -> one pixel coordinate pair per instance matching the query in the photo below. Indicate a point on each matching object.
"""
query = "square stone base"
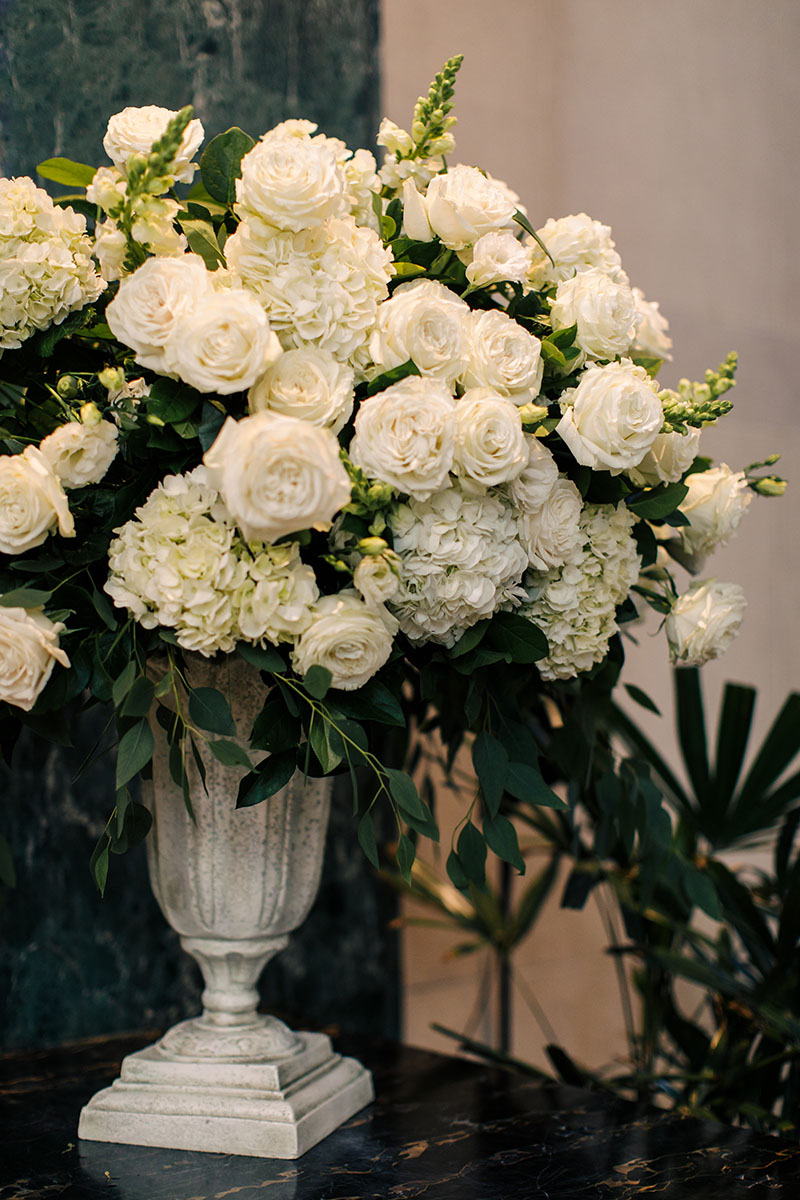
(275, 1109)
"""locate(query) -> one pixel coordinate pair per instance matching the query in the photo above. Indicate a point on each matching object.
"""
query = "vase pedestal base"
(268, 1109)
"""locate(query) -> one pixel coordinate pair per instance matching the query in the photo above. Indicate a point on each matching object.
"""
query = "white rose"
(151, 301)
(309, 384)
(405, 436)
(490, 444)
(670, 455)
(605, 313)
(533, 485)
(615, 418)
(497, 257)
(134, 130)
(290, 182)
(552, 535)
(651, 329)
(32, 502)
(277, 475)
(81, 452)
(575, 243)
(504, 356)
(222, 345)
(462, 205)
(377, 577)
(348, 638)
(714, 506)
(28, 652)
(423, 321)
(704, 621)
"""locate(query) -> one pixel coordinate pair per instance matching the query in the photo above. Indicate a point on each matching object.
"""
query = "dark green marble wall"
(72, 964)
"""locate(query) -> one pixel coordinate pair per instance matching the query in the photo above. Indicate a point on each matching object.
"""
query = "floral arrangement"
(367, 428)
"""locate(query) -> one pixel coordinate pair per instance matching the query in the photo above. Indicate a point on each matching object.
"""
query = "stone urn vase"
(234, 884)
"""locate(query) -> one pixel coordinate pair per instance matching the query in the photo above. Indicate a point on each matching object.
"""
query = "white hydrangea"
(321, 287)
(461, 561)
(46, 267)
(533, 485)
(575, 605)
(180, 564)
(575, 243)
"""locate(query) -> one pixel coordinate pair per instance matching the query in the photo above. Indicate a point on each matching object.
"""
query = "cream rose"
(134, 130)
(714, 507)
(81, 452)
(150, 302)
(306, 383)
(290, 182)
(277, 475)
(426, 322)
(533, 485)
(576, 243)
(552, 535)
(348, 638)
(504, 356)
(462, 205)
(222, 345)
(490, 444)
(652, 337)
(604, 311)
(614, 419)
(670, 455)
(704, 621)
(32, 502)
(405, 436)
(28, 652)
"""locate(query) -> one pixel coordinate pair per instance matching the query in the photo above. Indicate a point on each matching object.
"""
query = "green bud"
(373, 546)
(152, 419)
(769, 486)
(112, 378)
(340, 566)
(68, 387)
(379, 493)
(532, 414)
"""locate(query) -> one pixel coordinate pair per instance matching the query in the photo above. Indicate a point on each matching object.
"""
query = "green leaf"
(777, 751)
(522, 220)
(139, 698)
(490, 761)
(366, 837)
(211, 422)
(733, 733)
(373, 702)
(136, 823)
(405, 856)
(651, 364)
(209, 709)
(320, 739)
(404, 792)
(639, 697)
(579, 886)
(517, 637)
(659, 502)
(25, 598)
(317, 681)
(455, 870)
(221, 163)
(525, 783)
(172, 402)
(104, 610)
(123, 684)
(468, 641)
(265, 658)
(271, 775)
(381, 382)
(135, 750)
(552, 354)
(203, 241)
(8, 875)
(563, 338)
(692, 727)
(472, 854)
(699, 890)
(98, 864)
(501, 837)
(64, 170)
(230, 754)
(275, 728)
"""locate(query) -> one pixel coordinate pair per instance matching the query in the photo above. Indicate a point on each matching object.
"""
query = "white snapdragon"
(309, 384)
(496, 257)
(154, 226)
(276, 600)
(651, 337)
(46, 267)
(405, 436)
(714, 507)
(346, 636)
(461, 562)
(149, 304)
(490, 446)
(133, 131)
(29, 650)
(277, 475)
(290, 181)
(614, 418)
(669, 457)
(426, 322)
(502, 355)
(535, 482)
(110, 248)
(604, 311)
(81, 452)
(462, 205)
(223, 344)
(32, 502)
(576, 243)
(704, 621)
(552, 534)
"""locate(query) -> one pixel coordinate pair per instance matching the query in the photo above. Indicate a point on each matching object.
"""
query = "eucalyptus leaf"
(209, 709)
(134, 752)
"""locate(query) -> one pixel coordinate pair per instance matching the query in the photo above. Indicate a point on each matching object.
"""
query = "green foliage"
(221, 164)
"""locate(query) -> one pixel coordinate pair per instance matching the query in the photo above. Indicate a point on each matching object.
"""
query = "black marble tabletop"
(441, 1128)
